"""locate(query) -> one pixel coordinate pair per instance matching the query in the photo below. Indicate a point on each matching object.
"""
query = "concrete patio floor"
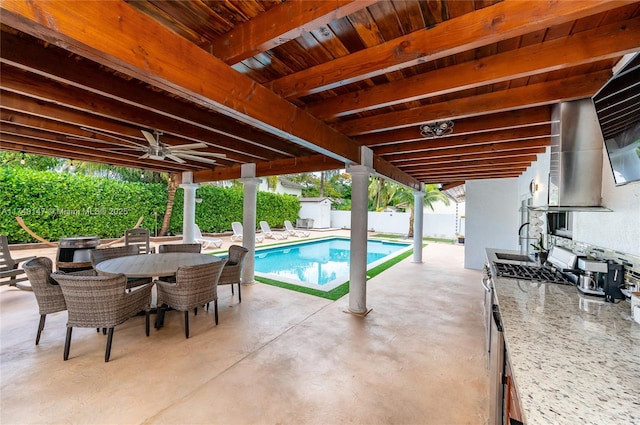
(279, 357)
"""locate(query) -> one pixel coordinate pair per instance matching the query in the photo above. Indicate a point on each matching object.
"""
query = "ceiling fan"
(157, 150)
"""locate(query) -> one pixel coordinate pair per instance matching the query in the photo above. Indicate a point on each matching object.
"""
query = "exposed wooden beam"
(502, 21)
(52, 63)
(586, 47)
(469, 150)
(476, 175)
(475, 165)
(482, 123)
(280, 24)
(570, 88)
(512, 135)
(271, 168)
(417, 165)
(40, 88)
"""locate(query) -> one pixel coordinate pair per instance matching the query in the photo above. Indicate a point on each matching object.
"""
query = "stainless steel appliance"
(496, 370)
(592, 279)
(559, 268)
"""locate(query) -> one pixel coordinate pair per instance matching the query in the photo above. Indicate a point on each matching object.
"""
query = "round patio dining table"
(152, 265)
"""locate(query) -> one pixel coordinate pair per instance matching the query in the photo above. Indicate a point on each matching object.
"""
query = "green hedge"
(56, 205)
(221, 206)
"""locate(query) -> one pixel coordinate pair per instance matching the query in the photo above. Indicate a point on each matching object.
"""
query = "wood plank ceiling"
(300, 86)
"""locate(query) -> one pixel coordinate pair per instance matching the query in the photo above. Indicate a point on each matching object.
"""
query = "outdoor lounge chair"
(101, 302)
(268, 233)
(10, 274)
(293, 231)
(205, 240)
(238, 230)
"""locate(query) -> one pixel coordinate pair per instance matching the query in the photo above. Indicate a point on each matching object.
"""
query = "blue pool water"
(319, 262)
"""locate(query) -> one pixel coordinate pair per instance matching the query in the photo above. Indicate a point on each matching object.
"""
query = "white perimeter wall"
(492, 218)
(434, 225)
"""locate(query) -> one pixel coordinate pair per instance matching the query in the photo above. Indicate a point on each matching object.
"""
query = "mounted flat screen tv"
(618, 108)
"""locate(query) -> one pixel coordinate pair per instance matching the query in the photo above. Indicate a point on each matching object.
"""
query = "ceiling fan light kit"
(436, 129)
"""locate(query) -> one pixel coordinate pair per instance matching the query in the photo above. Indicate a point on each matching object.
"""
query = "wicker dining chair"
(101, 302)
(195, 248)
(195, 286)
(46, 290)
(104, 254)
(232, 270)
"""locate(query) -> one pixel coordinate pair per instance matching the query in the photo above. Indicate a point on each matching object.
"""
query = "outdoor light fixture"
(22, 160)
(436, 129)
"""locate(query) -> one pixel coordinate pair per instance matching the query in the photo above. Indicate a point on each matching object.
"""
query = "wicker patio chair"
(101, 302)
(47, 291)
(195, 248)
(104, 254)
(195, 286)
(232, 270)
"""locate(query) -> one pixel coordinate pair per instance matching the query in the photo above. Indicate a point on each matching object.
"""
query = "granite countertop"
(575, 359)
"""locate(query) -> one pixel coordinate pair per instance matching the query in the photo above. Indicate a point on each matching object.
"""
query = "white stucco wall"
(492, 218)
(434, 225)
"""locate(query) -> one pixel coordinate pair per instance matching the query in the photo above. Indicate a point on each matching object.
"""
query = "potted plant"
(540, 251)
(460, 239)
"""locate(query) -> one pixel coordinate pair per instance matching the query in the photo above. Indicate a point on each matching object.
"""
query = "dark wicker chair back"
(232, 271)
(195, 286)
(103, 254)
(101, 302)
(47, 291)
(195, 248)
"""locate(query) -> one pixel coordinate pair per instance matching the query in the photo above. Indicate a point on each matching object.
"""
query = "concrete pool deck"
(279, 357)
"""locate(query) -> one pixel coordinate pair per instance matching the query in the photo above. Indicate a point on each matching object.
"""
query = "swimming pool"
(321, 264)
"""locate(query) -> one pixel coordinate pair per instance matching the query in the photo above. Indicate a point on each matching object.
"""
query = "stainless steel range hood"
(575, 176)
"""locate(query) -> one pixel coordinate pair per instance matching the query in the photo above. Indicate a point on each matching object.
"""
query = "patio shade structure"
(300, 86)
(280, 87)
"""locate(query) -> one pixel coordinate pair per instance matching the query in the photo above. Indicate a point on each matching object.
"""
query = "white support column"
(189, 216)
(250, 183)
(359, 221)
(418, 215)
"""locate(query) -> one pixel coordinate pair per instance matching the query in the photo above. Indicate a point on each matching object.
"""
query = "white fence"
(433, 225)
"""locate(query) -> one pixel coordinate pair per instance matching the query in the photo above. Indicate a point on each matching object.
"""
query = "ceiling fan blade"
(146, 155)
(175, 158)
(188, 146)
(198, 153)
(152, 140)
(104, 133)
(196, 158)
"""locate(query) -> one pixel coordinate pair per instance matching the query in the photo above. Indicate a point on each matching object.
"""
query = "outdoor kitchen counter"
(573, 361)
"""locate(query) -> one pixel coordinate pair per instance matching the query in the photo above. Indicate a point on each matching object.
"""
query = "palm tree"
(404, 198)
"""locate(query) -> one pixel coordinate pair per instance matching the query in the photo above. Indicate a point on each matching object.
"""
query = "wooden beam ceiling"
(301, 86)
